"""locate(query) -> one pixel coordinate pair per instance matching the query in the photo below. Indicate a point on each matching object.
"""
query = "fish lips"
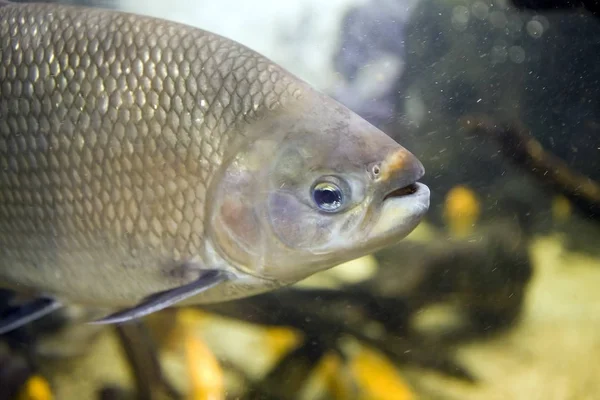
(402, 210)
(403, 203)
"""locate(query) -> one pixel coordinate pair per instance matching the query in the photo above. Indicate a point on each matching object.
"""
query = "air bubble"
(535, 29)
(501, 4)
(460, 17)
(498, 19)
(480, 10)
(515, 25)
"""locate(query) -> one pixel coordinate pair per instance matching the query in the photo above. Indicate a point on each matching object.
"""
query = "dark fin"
(23, 314)
(161, 300)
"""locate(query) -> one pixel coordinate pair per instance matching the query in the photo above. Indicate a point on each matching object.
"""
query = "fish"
(147, 164)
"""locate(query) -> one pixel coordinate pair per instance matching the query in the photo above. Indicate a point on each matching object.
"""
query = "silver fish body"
(138, 153)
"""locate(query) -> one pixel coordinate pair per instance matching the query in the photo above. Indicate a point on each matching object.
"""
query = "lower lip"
(404, 212)
(418, 197)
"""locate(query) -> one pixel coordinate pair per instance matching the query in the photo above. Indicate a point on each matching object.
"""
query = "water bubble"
(501, 4)
(498, 19)
(480, 10)
(535, 29)
(516, 54)
(460, 17)
(543, 20)
(515, 25)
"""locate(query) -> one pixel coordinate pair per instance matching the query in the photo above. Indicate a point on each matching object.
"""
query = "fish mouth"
(404, 201)
(403, 191)
(401, 210)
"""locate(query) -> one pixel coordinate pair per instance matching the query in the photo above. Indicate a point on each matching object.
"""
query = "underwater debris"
(364, 375)
(593, 6)
(519, 146)
(484, 275)
(377, 377)
(461, 210)
(205, 372)
(479, 57)
(113, 393)
(561, 208)
(36, 388)
(58, 337)
(142, 356)
(329, 378)
(15, 370)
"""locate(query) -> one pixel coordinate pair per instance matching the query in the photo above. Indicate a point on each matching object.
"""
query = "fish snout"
(399, 172)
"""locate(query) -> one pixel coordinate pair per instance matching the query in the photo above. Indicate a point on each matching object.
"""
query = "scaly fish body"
(137, 154)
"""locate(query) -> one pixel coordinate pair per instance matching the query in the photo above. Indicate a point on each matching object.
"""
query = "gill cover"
(265, 217)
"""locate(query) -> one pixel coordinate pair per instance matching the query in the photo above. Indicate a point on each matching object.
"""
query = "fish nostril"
(375, 171)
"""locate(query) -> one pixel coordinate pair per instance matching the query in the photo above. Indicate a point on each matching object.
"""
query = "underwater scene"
(300, 200)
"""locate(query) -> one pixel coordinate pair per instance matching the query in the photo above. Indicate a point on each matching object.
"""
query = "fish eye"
(328, 196)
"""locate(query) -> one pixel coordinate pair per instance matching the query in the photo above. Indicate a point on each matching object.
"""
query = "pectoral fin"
(161, 300)
(28, 312)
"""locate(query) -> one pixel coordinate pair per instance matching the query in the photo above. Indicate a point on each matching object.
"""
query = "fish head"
(313, 186)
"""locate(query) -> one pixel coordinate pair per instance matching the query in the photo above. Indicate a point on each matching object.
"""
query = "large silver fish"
(145, 163)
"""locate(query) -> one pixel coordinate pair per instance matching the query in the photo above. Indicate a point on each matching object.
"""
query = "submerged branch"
(518, 145)
(142, 356)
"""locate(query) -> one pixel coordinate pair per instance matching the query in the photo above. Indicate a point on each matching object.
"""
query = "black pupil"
(328, 198)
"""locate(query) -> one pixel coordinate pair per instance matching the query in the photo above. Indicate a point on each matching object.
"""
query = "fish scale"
(116, 106)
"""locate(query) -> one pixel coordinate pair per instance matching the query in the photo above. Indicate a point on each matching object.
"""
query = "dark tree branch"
(517, 144)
